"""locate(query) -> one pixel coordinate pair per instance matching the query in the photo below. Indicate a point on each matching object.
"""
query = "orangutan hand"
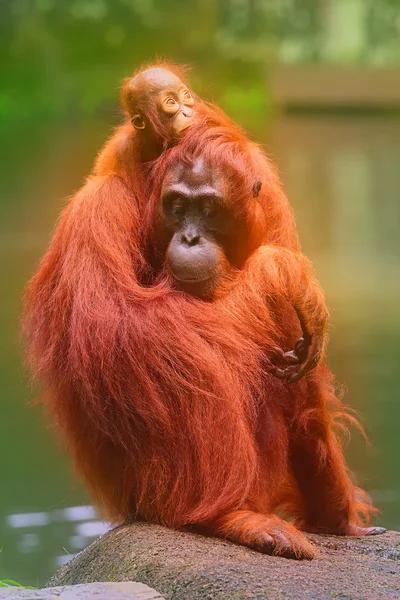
(305, 356)
(308, 350)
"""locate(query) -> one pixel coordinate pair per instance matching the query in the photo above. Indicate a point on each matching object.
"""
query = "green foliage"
(5, 583)
(67, 58)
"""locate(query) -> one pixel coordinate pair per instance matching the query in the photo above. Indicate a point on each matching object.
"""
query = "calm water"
(342, 176)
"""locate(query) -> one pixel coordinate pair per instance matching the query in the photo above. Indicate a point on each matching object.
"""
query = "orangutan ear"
(257, 188)
(138, 122)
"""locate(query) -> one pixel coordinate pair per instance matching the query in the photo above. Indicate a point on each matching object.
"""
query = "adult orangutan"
(158, 354)
(161, 111)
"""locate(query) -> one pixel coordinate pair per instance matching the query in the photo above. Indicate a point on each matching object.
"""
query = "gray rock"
(127, 590)
(186, 566)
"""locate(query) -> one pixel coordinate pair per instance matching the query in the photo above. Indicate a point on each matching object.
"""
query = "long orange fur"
(165, 401)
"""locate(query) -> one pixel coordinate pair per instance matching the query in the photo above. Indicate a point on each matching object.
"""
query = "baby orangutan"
(157, 94)
(159, 107)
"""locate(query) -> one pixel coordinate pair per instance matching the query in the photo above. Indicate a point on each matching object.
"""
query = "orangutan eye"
(209, 210)
(170, 101)
(178, 211)
(177, 208)
(187, 95)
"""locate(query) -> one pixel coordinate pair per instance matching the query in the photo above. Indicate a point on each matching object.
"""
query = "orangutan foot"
(348, 530)
(264, 533)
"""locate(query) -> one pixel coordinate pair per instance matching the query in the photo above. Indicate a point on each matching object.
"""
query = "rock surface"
(91, 591)
(186, 566)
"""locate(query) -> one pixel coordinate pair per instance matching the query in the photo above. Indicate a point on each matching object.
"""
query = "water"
(342, 176)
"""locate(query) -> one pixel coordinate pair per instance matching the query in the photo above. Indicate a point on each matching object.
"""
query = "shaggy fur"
(166, 402)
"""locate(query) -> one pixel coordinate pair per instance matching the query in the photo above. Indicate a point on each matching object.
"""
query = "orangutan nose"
(190, 237)
(187, 111)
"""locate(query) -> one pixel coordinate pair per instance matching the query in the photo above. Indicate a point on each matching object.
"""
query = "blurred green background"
(61, 65)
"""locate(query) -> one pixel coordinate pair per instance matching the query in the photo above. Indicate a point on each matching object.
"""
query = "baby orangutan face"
(177, 104)
(161, 90)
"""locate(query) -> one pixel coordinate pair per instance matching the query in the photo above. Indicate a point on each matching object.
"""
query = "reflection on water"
(28, 532)
(342, 176)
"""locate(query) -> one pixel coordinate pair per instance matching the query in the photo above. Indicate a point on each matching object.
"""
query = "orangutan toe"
(358, 531)
(348, 530)
(265, 533)
(287, 541)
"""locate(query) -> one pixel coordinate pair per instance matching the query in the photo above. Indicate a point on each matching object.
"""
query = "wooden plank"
(328, 86)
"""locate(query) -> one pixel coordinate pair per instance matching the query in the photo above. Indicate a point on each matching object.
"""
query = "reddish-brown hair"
(166, 401)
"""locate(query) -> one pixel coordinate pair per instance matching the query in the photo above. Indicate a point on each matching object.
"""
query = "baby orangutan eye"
(170, 101)
(187, 95)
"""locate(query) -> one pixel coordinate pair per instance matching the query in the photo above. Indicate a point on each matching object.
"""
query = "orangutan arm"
(285, 275)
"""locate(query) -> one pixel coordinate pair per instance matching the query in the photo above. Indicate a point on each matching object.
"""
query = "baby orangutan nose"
(182, 120)
(187, 112)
